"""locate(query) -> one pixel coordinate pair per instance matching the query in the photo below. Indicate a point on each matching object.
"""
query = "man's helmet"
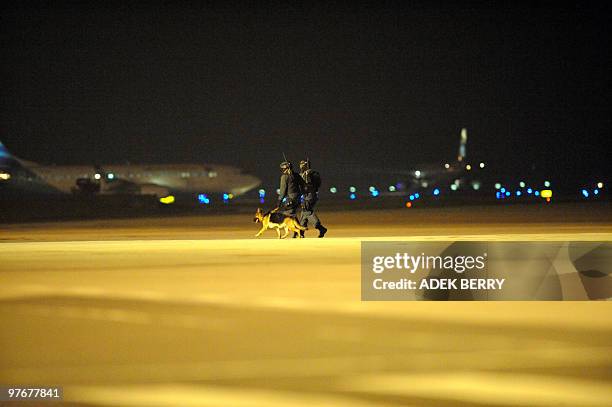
(305, 164)
(285, 165)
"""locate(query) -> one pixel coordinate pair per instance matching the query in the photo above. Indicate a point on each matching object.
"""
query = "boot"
(322, 230)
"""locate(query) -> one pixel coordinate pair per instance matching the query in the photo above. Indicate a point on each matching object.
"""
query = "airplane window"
(212, 174)
(184, 175)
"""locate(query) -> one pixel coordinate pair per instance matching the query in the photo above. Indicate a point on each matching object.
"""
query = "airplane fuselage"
(176, 178)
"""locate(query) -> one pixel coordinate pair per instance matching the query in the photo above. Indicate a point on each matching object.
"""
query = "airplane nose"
(253, 182)
(247, 183)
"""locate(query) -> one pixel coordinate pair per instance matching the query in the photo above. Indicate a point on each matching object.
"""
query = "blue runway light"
(202, 198)
(596, 192)
(436, 192)
(411, 197)
(375, 193)
(417, 195)
(529, 190)
(503, 190)
(585, 193)
(498, 195)
(352, 196)
(537, 193)
(507, 193)
(518, 193)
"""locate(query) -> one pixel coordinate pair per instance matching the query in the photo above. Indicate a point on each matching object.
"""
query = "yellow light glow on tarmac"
(156, 312)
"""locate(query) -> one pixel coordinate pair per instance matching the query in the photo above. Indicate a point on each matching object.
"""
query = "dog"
(278, 221)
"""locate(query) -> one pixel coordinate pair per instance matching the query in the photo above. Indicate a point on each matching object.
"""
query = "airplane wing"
(111, 184)
(122, 186)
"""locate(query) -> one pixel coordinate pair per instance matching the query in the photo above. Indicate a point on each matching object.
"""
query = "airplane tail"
(462, 143)
(6, 158)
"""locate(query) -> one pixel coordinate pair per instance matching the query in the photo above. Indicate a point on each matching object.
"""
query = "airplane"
(457, 174)
(452, 172)
(159, 180)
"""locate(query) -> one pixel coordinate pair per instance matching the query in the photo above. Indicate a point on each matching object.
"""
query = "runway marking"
(89, 313)
(486, 388)
(356, 308)
(172, 395)
(157, 244)
(121, 315)
(364, 368)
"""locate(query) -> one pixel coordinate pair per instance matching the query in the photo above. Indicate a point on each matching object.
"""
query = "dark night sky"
(377, 85)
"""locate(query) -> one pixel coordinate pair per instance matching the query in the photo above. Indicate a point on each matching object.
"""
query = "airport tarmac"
(194, 311)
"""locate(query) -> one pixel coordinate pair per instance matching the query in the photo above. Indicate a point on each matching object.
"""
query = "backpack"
(313, 178)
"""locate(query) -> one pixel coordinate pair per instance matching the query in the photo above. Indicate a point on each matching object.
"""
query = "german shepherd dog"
(278, 221)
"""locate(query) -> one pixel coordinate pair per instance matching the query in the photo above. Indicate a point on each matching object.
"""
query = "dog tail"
(271, 211)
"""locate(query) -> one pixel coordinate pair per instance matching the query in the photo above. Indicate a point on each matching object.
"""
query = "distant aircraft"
(429, 175)
(158, 180)
(433, 175)
(444, 174)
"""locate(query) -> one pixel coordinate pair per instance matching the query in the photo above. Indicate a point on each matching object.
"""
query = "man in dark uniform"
(312, 183)
(291, 187)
